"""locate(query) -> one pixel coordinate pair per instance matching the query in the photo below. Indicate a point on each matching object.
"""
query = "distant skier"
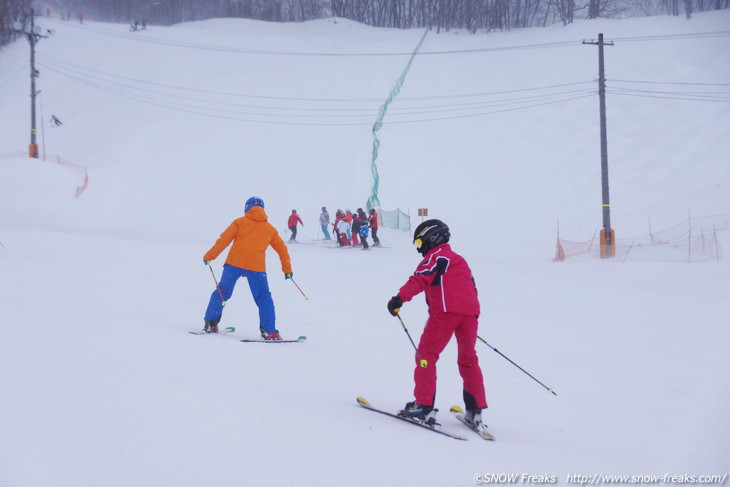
(55, 120)
(348, 218)
(251, 235)
(453, 309)
(324, 221)
(342, 228)
(292, 224)
(373, 222)
(355, 229)
(364, 230)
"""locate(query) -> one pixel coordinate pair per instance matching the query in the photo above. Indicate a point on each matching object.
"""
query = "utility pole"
(608, 242)
(33, 35)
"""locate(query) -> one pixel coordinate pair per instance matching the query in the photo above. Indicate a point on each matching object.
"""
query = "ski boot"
(211, 326)
(474, 418)
(274, 335)
(421, 413)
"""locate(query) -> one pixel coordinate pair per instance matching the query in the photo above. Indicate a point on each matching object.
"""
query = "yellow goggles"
(418, 243)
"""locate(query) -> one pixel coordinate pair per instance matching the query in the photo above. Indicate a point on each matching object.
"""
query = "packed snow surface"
(496, 134)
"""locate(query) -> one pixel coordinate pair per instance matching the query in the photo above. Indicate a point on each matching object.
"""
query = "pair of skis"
(231, 329)
(455, 410)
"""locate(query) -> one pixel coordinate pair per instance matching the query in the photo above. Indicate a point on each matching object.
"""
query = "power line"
(674, 37)
(668, 96)
(293, 110)
(696, 95)
(62, 66)
(408, 115)
(666, 82)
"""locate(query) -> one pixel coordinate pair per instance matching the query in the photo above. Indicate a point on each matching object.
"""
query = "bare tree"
(11, 11)
(472, 15)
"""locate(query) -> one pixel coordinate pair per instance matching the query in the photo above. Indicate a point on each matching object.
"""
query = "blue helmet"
(254, 201)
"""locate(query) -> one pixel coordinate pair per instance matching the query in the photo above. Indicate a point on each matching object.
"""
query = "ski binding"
(228, 329)
(365, 404)
(301, 339)
(481, 431)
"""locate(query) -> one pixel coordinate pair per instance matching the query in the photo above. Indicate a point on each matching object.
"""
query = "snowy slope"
(177, 126)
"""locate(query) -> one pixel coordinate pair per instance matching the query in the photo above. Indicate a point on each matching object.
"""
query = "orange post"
(608, 249)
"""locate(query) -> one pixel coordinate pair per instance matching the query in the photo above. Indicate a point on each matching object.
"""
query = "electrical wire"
(405, 115)
(665, 82)
(64, 65)
(668, 96)
(673, 37)
(315, 111)
(697, 94)
(289, 110)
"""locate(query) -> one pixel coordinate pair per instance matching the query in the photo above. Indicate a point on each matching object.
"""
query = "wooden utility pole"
(608, 243)
(33, 35)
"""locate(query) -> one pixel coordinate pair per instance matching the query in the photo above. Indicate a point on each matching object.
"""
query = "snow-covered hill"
(496, 134)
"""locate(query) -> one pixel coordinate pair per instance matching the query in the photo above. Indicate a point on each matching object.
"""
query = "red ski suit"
(453, 308)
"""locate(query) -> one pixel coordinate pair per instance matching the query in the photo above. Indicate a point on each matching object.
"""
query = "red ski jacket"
(446, 279)
(373, 219)
(293, 219)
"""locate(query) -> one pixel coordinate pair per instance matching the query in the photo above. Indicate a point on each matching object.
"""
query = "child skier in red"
(453, 309)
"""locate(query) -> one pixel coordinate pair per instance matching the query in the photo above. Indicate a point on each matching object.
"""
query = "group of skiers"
(134, 25)
(442, 275)
(351, 229)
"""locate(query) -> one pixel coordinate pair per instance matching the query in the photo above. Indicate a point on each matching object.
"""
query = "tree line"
(471, 15)
(11, 11)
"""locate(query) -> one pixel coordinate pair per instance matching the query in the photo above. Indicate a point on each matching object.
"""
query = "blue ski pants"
(259, 285)
(326, 233)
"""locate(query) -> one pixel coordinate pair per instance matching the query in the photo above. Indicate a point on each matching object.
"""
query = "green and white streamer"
(373, 201)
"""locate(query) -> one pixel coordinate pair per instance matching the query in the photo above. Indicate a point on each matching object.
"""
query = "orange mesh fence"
(693, 240)
(78, 169)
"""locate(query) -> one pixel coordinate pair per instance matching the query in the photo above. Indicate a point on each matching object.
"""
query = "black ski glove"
(394, 304)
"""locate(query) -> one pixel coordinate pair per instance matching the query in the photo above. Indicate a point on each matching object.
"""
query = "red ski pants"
(436, 335)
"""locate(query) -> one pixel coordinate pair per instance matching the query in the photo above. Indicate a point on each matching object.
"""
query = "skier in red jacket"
(373, 222)
(453, 309)
(292, 224)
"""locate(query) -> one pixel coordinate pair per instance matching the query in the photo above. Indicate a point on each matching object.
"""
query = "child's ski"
(228, 329)
(364, 403)
(261, 340)
(459, 413)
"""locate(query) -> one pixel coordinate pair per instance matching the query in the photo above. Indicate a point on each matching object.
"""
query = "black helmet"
(430, 234)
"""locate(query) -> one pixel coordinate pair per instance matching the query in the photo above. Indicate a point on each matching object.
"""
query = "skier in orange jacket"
(251, 235)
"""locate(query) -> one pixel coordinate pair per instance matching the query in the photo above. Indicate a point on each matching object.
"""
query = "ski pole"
(421, 361)
(300, 289)
(223, 301)
(549, 389)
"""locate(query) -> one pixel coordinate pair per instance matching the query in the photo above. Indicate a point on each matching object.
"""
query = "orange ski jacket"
(251, 235)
